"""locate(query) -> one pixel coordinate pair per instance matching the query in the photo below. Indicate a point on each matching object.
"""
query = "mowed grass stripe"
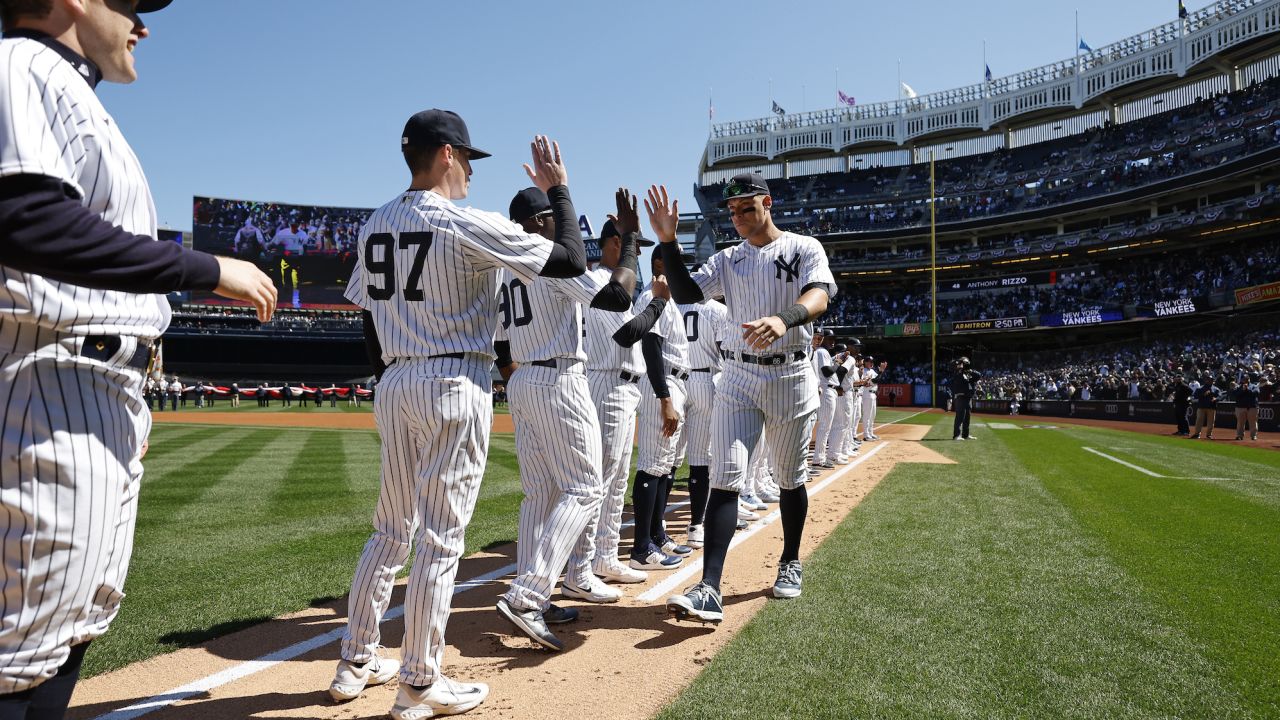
(244, 525)
(962, 591)
(1250, 472)
(1209, 555)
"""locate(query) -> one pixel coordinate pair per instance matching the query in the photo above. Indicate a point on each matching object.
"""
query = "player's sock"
(644, 493)
(794, 505)
(665, 482)
(699, 486)
(721, 522)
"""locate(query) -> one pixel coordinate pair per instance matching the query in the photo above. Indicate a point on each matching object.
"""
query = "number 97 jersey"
(427, 271)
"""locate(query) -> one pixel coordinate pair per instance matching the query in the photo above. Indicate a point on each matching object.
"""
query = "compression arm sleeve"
(371, 344)
(569, 257)
(48, 232)
(683, 288)
(635, 328)
(651, 348)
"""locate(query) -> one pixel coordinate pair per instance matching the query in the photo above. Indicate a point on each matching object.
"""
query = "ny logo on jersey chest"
(792, 269)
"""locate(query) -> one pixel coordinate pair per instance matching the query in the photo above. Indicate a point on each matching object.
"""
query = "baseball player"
(868, 390)
(426, 275)
(82, 283)
(539, 348)
(823, 372)
(774, 284)
(661, 421)
(614, 369)
(706, 326)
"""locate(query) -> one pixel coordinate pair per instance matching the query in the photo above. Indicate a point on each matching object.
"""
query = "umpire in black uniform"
(963, 381)
(1182, 403)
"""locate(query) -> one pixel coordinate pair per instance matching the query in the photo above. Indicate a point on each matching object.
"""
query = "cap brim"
(646, 242)
(476, 153)
(724, 203)
(147, 6)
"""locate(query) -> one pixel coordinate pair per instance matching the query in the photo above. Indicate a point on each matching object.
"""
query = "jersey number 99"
(383, 264)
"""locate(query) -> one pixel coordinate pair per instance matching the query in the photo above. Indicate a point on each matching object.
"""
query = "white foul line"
(257, 665)
(688, 569)
(1129, 465)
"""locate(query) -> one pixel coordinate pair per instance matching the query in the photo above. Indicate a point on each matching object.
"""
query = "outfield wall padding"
(1129, 410)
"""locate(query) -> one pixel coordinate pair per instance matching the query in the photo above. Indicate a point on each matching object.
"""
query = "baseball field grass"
(1033, 579)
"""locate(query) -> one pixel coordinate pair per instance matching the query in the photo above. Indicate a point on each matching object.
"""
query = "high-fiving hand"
(664, 213)
(548, 168)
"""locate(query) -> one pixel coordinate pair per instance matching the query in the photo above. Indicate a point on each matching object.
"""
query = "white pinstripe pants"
(658, 453)
(850, 442)
(838, 441)
(782, 402)
(616, 401)
(827, 404)
(695, 441)
(434, 417)
(558, 445)
(869, 402)
(70, 469)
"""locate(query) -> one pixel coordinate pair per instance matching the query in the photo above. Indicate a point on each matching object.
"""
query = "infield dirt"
(628, 659)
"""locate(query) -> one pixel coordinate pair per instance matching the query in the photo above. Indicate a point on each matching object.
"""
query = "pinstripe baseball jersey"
(705, 324)
(821, 358)
(670, 326)
(52, 124)
(600, 325)
(760, 281)
(543, 319)
(426, 270)
(871, 375)
(854, 375)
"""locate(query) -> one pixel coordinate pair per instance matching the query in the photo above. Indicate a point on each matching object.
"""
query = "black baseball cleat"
(531, 623)
(700, 602)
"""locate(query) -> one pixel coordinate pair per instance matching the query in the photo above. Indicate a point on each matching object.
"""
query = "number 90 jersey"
(543, 319)
(427, 271)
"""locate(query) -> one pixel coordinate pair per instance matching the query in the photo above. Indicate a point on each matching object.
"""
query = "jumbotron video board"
(308, 251)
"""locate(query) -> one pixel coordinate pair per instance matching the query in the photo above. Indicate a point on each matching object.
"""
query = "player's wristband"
(630, 257)
(794, 316)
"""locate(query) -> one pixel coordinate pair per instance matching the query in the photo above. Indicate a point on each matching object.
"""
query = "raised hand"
(664, 213)
(627, 220)
(548, 168)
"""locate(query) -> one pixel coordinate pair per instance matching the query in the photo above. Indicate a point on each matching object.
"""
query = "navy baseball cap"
(609, 231)
(527, 203)
(439, 127)
(747, 184)
(146, 6)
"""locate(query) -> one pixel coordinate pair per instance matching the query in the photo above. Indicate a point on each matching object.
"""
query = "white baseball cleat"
(593, 591)
(619, 573)
(750, 500)
(769, 494)
(842, 459)
(350, 680)
(744, 513)
(444, 697)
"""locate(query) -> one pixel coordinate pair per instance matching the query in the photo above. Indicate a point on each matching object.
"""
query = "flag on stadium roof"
(909, 92)
(1182, 9)
(988, 75)
(846, 99)
(778, 108)
(1085, 46)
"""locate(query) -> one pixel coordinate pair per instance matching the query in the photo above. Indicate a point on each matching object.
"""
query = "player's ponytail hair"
(11, 10)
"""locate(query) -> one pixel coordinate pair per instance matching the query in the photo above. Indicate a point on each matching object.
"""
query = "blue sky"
(303, 101)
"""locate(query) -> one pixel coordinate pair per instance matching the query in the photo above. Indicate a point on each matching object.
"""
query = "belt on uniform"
(544, 363)
(447, 356)
(680, 373)
(781, 359)
(629, 377)
(705, 370)
(104, 347)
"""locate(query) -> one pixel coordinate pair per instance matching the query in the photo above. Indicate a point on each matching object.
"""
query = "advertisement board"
(1013, 323)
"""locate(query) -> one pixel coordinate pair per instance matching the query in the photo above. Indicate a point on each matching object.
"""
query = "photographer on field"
(964, 381)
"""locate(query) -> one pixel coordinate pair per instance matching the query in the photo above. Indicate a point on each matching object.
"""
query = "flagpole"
(985, 81)
(838, 84)
(933, 278)
(899, 79)
(804, 97)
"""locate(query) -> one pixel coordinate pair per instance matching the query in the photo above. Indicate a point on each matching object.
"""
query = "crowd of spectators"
(1139, 281)
(1138, 371)
(1104, 160)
